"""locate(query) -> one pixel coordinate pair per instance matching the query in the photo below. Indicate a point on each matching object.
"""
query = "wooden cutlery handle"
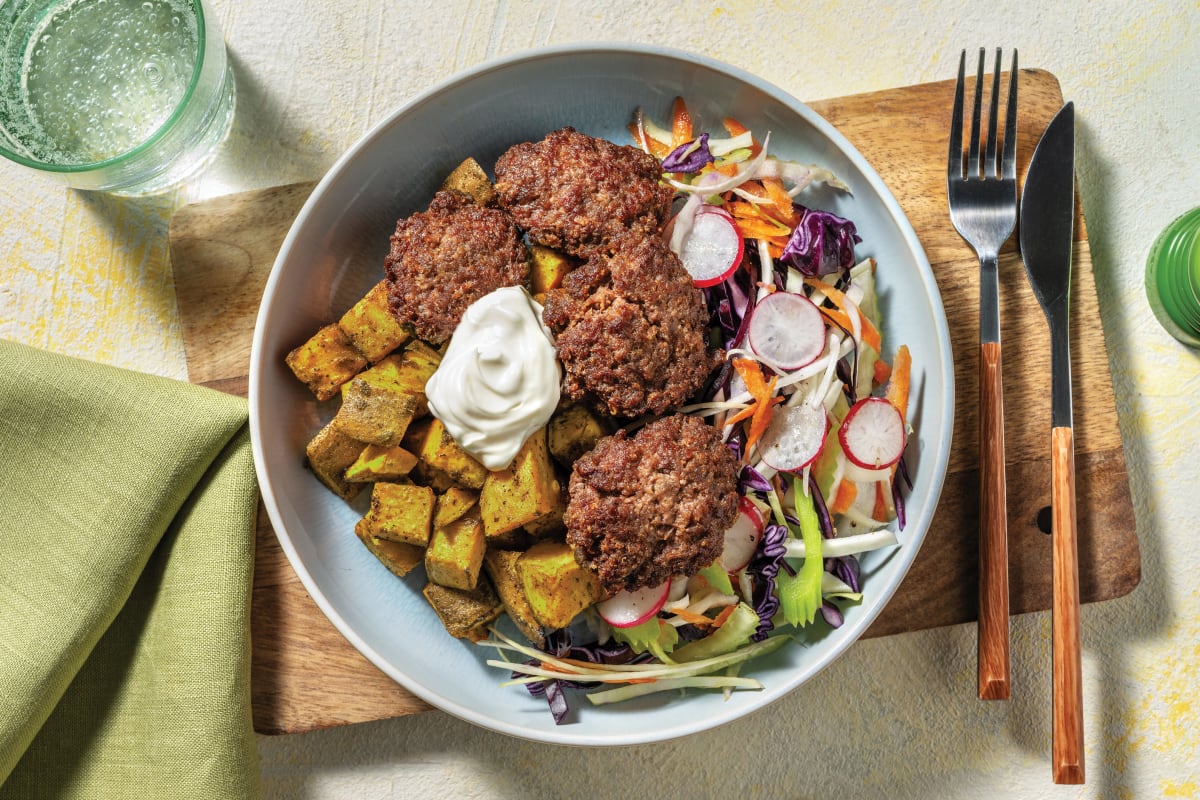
(1068, 677)
(993, 531)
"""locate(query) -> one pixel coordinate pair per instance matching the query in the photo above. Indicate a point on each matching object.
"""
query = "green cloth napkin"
(127, 507)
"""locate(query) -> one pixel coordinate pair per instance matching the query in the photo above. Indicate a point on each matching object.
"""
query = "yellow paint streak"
(1172, 788)
(1166, 718)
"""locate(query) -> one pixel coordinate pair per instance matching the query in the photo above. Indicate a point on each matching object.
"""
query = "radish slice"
(872, 435)
(742, 537)
(787, 329)
(628, 608)
(794, 438)
(712, 249)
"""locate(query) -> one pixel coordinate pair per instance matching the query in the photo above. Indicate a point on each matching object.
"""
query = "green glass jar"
(1173, 278)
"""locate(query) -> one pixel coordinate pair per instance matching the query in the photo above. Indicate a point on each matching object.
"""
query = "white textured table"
(896, 717)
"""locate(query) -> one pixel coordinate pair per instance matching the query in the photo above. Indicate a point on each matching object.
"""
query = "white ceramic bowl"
(335, 252)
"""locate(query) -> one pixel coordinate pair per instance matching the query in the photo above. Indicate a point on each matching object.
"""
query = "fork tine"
(954, 164)
(1008, 166)
(973, 157)
(991, 164)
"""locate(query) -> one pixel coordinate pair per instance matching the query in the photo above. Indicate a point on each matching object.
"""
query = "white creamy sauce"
(498, 382)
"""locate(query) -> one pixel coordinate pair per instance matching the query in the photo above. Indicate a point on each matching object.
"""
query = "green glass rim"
(197, 68)
(1176, 257)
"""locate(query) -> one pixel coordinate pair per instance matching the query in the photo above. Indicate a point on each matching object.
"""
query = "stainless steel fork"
(983, 208)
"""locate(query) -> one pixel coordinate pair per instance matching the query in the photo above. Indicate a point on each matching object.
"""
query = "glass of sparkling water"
(123, 96)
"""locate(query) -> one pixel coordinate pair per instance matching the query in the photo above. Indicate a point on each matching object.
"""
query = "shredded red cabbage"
(559, 643)
(823, 515)
(821, 244)
(845, 568)
(689, 157)
(832, 614)
(764, 567)
(751, 479)
(898, 502)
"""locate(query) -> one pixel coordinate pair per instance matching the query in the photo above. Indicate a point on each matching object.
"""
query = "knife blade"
(1047, 229)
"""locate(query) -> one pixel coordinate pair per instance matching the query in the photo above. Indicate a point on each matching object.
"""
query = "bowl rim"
(937, 461)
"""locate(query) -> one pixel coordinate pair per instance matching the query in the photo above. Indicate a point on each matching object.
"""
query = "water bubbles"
(153, 73)
(102, 75)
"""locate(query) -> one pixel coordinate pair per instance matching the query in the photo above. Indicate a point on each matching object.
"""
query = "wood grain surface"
(1067, 681)
(993, 629)
(306, 676)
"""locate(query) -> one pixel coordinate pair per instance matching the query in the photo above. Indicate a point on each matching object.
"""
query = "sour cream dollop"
(498, 382)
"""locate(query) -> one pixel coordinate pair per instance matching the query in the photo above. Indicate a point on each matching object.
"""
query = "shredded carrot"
(781, 201)
(749, 411)
(763, 393)
(757, 228)
(745, 413)
(681, 123)
(882, 371)
(870, 334)
(880, 511)
(693, 617)
(648, 142)
(736, 128)
(725, 614)
(761, 419)
(844, 497)
(898, 383)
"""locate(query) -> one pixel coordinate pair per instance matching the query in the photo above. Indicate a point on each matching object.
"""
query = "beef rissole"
(577, 193)
(631, 329)
(648, 507)
(445, 258)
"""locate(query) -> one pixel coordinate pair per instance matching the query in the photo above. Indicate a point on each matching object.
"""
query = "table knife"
(1047, 229)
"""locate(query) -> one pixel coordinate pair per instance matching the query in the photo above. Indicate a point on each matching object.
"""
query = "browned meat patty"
(575, 193)
(646, 508)
(631, 329)
(447, 257)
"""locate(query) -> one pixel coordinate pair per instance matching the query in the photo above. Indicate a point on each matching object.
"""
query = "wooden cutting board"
(306, 676)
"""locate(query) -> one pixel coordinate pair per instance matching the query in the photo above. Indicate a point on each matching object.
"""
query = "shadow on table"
(1111, 630)
(262, 149)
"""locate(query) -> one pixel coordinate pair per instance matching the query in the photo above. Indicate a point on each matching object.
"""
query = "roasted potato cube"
(377, 463)
(409, 371)
(551, 523)
(573, 430)
(555, 585)
(326, 361)
(466, 614)
(526, 491)
(398, 557)
(501, 566)
(374, 410)
(371, 326)
(401, 512)
(549, 267)
(455, 553)
(330, 453)
(469, 178)
(436, 479)
(435, 447)
(452, 504)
